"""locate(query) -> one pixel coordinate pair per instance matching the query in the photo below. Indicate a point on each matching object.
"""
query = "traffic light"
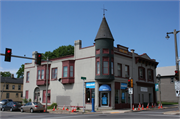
(131, 83)
(38, 58)
(8, 55)
(176, 75)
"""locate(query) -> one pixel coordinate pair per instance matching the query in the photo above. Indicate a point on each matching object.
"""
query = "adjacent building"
(11, 88)
(107, 69)
(167, 84)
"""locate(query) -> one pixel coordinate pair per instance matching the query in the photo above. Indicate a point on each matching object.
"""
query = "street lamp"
(159, 82)
(167, 37)
(176, 52)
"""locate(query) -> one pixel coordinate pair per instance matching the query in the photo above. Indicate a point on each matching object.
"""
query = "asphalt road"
(153, 114)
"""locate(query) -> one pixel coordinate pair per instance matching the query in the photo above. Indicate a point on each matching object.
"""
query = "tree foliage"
(20, 72)
(6, 74)
(60, 52)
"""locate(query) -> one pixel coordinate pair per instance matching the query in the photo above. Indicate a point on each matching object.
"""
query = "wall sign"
(144, 89)
(90, 85)
(123, 85)
(156, 87)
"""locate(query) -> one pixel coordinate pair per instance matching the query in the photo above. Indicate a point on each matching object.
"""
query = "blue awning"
(104, 87)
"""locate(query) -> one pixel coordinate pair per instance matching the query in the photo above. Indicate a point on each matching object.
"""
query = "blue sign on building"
(123, 85)
(90, 85)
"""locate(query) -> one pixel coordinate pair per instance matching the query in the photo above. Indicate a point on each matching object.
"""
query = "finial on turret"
(104, 11)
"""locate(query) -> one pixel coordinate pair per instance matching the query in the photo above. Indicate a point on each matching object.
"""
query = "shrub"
(77, 108)
(29, 99)
(25, 100)
(52, 106)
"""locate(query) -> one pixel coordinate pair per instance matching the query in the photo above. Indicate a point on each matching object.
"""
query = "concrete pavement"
(60, 111)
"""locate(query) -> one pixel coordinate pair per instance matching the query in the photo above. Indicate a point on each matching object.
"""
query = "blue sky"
(28, 26)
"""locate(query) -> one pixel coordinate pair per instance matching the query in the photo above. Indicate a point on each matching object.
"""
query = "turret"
(104, 53)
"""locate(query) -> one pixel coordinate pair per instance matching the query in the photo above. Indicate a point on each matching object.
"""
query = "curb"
(112, 111)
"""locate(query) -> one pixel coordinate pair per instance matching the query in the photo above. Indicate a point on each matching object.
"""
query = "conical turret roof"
(104, 31)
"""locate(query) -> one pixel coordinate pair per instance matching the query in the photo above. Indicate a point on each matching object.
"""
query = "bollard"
(93, 105)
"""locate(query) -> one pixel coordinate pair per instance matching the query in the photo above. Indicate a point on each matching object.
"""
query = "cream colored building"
(11, 88)
(107, 69)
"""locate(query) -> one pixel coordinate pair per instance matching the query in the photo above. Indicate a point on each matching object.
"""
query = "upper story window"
(27, 77)
(19, 87)
(150, 75)
(39, 74)
(7, 86)
(65, 70)
(97, 66)
(54, 73)
(141, 73)
(68, 71)
(105, 65)
(112, 66)
(71, 71)
(13, 87)
(97, 51)
(42, 74)
(126, 71)
(105, 51)
(119, 70)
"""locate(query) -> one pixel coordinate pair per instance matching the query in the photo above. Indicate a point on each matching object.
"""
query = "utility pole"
(176, 53)
(47, 82)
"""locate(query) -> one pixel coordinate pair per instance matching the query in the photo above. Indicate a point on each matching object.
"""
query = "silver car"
(32, 106)
(5, 101)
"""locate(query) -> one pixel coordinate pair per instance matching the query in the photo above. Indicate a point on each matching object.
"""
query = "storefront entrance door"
(104, 99)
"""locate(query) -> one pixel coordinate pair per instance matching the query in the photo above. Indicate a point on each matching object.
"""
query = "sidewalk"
(60, 111)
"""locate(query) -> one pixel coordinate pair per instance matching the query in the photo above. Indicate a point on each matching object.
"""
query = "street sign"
(83, 78)
(177, 85)
(177, 93)
(130, 90)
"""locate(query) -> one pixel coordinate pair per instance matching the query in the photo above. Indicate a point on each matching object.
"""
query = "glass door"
(105, 99)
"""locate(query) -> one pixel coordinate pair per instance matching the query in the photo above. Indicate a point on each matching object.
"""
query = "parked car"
(11, 106)
(5, 101)
(32, 106)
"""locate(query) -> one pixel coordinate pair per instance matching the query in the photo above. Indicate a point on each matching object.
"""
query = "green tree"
(20, 72)
(60, 52)
(6, 74)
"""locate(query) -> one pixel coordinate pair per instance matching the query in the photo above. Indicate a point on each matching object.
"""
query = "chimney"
(12, 76)
(34, 56)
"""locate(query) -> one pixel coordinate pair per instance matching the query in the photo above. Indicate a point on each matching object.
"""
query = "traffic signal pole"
(19, 56)
(176, 54)
(177, 63)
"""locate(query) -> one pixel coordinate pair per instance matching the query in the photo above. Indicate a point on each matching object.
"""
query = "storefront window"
(88, 95)
(123, 96)
(90, 91)
(117, 96)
